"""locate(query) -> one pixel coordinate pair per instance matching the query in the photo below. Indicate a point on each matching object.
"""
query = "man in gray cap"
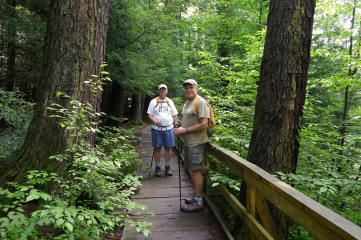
(194, 134)
(163, 114)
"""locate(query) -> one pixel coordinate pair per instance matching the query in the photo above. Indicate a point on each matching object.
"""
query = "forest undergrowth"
(91, 198)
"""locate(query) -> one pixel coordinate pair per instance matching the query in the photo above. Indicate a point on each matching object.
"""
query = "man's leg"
(167, 152)
(195, 204)
(198, 182)
(157, 151)
(194, 159)
(168, 144)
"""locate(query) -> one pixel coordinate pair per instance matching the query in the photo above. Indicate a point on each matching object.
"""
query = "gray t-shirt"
(190, 118)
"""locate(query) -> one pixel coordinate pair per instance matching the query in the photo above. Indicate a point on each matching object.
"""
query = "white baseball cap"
(190, 81)
(162, 86)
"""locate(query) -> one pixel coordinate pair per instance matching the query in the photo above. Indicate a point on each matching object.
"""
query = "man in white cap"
(194, 134)
(163, 114)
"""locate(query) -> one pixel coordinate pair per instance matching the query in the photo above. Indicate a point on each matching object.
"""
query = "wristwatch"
(186, 130)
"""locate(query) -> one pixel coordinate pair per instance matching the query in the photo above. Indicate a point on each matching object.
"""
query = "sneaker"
(189, 200)
(168, 172)
(194, 207)
(157, 172)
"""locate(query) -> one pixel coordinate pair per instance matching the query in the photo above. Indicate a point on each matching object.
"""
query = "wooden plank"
(242, 212)
(317, 219)
(251, 207)
(219, 218)
(265, 216)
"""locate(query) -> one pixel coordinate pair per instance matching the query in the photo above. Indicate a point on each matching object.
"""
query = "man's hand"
(159, 123)
(179, 131)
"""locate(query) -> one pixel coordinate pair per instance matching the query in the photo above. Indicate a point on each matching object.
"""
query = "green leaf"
(59, 222)
(32, 197)
(44, 212)
(69, 226)
(146, 232)
(23, 189)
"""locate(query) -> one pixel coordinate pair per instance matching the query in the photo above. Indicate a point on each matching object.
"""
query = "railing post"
(251, 207)
(265, 216)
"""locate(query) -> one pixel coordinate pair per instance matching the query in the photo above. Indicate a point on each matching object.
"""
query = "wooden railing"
(319, 221)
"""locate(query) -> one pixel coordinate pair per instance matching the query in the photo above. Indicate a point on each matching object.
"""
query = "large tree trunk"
(136, 111)
(75, 49)
(116, 104)
(281, 93)
(11, 47)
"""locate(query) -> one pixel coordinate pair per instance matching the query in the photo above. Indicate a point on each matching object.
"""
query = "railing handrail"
(315, 218)
(321, 222)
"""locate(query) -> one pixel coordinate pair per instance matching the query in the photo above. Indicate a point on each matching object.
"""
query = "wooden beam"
(302, 209)
(265, 216)
(219, 217)
(318, 220)
(251, 223)
(251, 207)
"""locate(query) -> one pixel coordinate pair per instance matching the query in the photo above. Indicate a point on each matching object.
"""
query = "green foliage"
(15, 116)
(28, 20)
(327, 171)
(92, 197)
(143, 48)
(218, 178)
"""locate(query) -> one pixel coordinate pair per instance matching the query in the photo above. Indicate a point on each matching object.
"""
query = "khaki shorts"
(194, 157)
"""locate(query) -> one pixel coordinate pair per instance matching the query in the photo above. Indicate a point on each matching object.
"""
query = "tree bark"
(116, 104)
(75, 48)
(11, 47)
(281, 93)
(136, 111)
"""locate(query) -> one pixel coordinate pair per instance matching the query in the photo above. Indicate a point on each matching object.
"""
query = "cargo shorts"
(194, 157)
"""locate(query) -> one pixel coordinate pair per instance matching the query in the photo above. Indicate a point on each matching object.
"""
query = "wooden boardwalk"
(161, 195)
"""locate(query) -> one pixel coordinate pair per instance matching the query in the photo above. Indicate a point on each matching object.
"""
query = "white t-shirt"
(163, 113)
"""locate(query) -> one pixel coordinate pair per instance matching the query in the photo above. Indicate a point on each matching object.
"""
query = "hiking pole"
(179, 172)
(155, 144)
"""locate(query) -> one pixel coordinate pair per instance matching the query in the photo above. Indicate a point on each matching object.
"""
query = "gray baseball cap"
(190, 81)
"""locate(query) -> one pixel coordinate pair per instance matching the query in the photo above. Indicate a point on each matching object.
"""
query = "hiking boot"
(194, 207)
(190, 200)
(168, 172)
(157, 172)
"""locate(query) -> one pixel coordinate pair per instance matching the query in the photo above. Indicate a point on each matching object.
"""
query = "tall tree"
(75, 49)
(351, 72)
(136, 110)
(11, 47)
(281, 93)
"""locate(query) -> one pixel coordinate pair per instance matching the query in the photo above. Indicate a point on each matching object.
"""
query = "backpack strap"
(157, 102)
(196, 106)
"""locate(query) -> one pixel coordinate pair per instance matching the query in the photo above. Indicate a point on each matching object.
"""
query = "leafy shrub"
(15, 116)
(91, 198)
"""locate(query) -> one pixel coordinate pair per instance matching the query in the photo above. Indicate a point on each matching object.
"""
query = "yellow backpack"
(211, 128)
